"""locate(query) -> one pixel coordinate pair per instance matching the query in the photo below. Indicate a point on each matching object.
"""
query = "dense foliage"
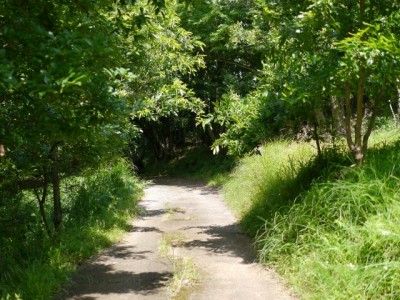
(78, 79)
(83, 83)
(328, 69)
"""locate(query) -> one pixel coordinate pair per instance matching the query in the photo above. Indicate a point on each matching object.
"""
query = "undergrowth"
(330, 229)
(195, 163)
(96, 210)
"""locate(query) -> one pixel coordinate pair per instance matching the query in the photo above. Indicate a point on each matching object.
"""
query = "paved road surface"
(201, 230)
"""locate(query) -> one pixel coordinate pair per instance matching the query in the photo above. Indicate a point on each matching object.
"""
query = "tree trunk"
(372, 119)
(337, 122)
(42, 201)
(55, 178)
(357, 148)
(316, 137)
(368, 132)
(395, 116)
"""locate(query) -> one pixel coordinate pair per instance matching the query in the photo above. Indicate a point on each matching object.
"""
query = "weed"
(185, 272)
(168, 241)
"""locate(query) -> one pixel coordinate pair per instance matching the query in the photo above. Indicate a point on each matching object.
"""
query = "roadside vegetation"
(331, 230)
(184, 271)
(96, 213)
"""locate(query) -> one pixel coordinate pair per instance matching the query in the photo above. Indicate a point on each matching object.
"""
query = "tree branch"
(238, 64)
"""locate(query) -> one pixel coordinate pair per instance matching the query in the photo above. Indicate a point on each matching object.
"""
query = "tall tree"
(163, 104)
(72, 74)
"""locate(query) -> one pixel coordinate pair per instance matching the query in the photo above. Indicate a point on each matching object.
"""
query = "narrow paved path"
(186, 237)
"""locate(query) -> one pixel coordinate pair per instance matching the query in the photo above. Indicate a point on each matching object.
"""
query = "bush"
(96, 209)
(104, 196)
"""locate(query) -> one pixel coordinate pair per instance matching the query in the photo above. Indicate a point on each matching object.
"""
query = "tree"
(233, 52)
(345, 51)
(59, 111)
(163, 105)
(72, 75)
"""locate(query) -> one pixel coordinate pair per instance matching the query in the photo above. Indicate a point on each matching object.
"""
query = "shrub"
(97, 208)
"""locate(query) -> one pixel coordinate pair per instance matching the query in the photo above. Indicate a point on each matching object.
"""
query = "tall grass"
(341, 239)
(331, 230)
(260, 185)
(96, 210)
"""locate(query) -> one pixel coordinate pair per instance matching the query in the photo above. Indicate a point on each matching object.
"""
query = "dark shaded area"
(228, 239)
(124, 252)
(188, 184)
(152, 213)
(104, 279)
(110, 282)
(145, 229)
(198, 162)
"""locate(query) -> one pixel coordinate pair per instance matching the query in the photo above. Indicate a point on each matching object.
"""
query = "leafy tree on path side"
(68, 87)
(338, 59)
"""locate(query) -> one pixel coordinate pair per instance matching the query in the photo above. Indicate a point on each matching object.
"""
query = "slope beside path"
(186, 245)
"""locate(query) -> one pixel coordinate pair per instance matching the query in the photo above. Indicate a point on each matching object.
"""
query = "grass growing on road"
(184, 271)
(331, 230)
(185, 274)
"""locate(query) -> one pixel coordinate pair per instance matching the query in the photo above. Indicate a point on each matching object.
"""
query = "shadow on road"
(188, 184)
(227, 240)
(99, 276)
(109, 281)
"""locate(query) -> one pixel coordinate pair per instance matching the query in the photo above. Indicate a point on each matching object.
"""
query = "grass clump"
(184, 270)
(331, 230)
(96, 211)
(185, 274)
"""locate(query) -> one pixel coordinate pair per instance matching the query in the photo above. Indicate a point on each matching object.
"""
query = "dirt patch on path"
(186, 245)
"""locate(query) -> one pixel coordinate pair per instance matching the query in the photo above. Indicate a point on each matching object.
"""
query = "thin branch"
(42, 201)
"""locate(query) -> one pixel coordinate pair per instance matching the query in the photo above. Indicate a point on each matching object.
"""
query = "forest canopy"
(84, 82)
